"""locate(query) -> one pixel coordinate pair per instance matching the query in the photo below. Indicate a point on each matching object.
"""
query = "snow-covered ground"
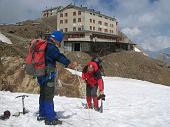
(4, 39)
(129, 103)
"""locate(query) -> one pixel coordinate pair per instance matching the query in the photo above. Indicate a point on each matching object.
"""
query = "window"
(91, 20)
(65, 21)
(93, 28)
(111, 25)
(66, 29)
(105, 30)
(74, 28)
(106, 24)
(76, 36)
(82, 27)
(79, 19)
(74, 13)
(61, 21)
(79, 12)
(100, 22)
(61, 30)
(74, 20)
(100, 29)
(66, 14)
(90, 27)
(79, 29)
(61, 15)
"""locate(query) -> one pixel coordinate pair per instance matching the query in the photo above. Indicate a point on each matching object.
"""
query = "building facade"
(88, 30)
(51, 12)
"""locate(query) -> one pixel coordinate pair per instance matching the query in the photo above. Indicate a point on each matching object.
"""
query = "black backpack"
(98, 61)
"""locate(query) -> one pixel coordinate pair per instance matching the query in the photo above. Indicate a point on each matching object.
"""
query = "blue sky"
(146, 22)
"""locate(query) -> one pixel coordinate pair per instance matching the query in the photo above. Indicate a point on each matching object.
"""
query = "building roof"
(123, 35)
(81, 8)
(55, 8)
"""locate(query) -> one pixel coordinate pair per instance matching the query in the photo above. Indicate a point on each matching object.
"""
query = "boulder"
(15, 79)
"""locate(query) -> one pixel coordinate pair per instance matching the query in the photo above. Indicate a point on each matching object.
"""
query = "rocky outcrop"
(14, 79)
(14, 76)
(129, 64)
(137, 66)
(69, 84)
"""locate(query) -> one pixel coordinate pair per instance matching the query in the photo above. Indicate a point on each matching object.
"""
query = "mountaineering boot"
(87, 107)
(97, 109)
(40, 118)
(53, 122)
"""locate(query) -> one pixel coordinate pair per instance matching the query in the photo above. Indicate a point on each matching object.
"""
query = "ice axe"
(23, 106)
(101, 106)
(102, 98)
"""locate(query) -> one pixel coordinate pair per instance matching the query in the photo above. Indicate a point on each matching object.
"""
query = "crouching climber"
(92, 76)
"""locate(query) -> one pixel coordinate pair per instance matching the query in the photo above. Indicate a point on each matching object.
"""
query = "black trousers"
(91, 91)
(47, 90)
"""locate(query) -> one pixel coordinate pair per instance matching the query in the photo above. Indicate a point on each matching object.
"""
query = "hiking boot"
(97, 109)
(40, 118)
(87, 107)
(53, 122)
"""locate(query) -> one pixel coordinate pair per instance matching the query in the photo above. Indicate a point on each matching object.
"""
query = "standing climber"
(48, 81)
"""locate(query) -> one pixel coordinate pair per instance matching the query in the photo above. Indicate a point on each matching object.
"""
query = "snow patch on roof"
(137, 50)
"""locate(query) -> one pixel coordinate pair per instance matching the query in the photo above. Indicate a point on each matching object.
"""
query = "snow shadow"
(60, 115)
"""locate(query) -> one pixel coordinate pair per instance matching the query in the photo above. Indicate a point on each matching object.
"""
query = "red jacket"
(93, 78)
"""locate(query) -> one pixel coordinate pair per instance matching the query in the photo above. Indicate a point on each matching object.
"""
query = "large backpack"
(35, 59)
(98, 61)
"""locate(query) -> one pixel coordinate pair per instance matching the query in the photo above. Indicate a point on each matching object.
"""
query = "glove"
(101, 96)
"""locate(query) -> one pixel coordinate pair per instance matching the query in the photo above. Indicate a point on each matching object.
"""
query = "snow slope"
(4, 39)
(129, 103)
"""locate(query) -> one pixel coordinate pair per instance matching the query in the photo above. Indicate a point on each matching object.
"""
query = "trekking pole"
(23, 105)
(101, 106)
